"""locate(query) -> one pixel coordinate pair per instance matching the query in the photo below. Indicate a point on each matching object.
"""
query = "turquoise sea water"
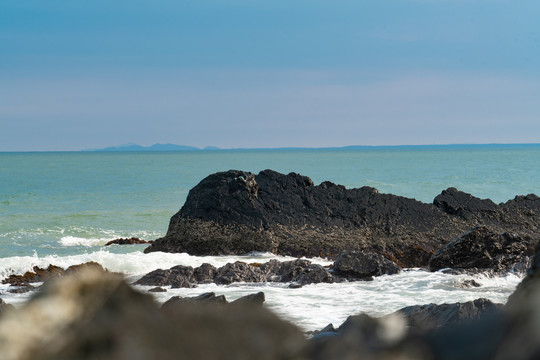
(71, 202)
(61, 208)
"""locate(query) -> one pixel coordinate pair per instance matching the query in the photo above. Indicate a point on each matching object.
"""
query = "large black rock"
(360, 265)
(483, 249)
(237, 212)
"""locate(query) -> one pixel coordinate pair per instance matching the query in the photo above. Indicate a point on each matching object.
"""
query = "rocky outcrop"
(237, 212)
(481, 249)
(359, 265)
(298, 271)
(126, 241)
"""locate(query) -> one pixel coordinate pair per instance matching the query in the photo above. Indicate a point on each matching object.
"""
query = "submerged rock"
(237, 212)
(482, 249)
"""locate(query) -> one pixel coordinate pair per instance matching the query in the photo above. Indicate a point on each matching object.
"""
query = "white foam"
(314, 306)
(134, 263)
(79, 241)
(310, 307)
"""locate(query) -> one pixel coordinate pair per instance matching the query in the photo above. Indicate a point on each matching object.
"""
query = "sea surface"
(61, 208)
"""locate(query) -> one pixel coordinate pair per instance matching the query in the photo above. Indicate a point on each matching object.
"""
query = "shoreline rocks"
(95, 314)
(298, 271)
(348, 266)
(237, 212)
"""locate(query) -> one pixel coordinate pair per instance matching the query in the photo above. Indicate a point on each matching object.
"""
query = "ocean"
(61, 208)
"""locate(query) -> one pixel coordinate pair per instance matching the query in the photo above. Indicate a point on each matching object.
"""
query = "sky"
(310, 73)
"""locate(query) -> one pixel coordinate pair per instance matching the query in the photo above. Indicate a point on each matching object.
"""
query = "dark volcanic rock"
(434, 316)
(483, 249)
(299, 271)
(178, 276)
(129, 241)
(238, 272)
(237, 212)
(359, 265)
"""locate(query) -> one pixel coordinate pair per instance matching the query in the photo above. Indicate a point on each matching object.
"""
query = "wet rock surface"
(482, 249)
(237, 212)
(299, 271)
(358, 265)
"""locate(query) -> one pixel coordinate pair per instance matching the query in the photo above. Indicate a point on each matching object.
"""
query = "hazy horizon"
(267, 75)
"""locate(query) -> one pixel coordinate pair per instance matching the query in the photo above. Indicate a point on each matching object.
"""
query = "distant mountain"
(155, 147)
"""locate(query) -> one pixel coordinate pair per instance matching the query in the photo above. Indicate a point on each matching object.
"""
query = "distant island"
(155, 147)
(174, 147)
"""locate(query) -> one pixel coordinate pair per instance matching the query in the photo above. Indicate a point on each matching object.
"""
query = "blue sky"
(90, 74)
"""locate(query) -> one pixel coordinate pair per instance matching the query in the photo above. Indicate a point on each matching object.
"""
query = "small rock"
(157, 289)
(129, 241)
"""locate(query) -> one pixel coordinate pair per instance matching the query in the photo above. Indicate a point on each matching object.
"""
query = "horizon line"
(140, 148)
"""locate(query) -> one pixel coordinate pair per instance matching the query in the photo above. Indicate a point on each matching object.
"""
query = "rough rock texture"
(483, 249)
(237, 212)
(299, 271)
(359, 265)
(129, 241)
(96, 315)
(434, 316)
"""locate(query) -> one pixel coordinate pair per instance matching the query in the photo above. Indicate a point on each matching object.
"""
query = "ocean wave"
(310, 307)
(132, 264)
(79, 241)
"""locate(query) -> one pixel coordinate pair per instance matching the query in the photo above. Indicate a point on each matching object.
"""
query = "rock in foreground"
(237, 212)
(96, 315)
